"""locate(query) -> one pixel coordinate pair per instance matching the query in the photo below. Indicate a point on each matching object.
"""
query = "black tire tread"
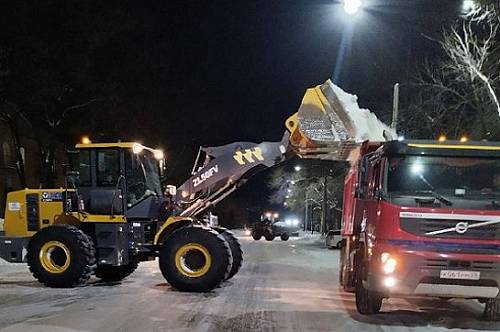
(86, 249)
(181, 285)
(492, 310)
(115, 273)
(236, 250)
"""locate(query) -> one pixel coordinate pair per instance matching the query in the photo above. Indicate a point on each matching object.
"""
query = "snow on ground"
(282, 286)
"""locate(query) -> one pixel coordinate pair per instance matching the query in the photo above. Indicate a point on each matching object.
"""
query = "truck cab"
(422, 218)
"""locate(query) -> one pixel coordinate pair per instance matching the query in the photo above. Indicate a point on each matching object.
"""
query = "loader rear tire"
(61, 256)
(195, 259)
(109, 273)
(236, 251)
(284, 237)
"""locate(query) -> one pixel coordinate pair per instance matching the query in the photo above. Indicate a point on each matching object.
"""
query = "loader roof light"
(464, 139)
(159, 155)
(86, 140)
(137, 148)
(442, 138)
(351, 7)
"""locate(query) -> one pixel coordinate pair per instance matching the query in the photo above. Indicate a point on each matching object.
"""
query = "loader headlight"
(137, 148)
(159, 154)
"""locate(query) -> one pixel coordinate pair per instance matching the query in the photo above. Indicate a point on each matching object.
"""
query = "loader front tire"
(236, 250)
(195, 259)
(61, 256)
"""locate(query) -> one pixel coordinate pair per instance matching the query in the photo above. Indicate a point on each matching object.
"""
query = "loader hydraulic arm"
(218, 171)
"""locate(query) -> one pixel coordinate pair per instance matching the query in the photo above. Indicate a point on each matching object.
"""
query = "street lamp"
(468, 6)
(351, 7)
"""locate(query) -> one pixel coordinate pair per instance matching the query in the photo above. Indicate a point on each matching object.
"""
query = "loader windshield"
(142, 175)
(461, 182)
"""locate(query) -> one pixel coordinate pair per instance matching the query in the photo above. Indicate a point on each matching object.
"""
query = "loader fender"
(170, 225)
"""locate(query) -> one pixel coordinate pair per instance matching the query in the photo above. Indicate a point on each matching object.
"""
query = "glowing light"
(297, 168)
(417, 168)
(276, 215)
(268, 214)
(137, 148)
(468, 6)
(159, 154)
(351, 7)
(390, 266)
(248, 232)
(464, 139)
(384, 257)
(401, 138)
(442, 138)
(86, 140)
(390, 282)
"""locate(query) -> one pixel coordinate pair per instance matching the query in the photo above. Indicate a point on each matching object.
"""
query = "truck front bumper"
(419, 274)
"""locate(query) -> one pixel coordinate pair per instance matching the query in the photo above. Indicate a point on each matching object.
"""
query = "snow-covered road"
(283, 286)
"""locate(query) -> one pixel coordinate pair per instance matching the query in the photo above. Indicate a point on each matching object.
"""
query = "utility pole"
(324, 209)
(395, 107)
(306, 212)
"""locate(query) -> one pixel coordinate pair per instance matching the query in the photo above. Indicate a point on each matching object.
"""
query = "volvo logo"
(461, 227)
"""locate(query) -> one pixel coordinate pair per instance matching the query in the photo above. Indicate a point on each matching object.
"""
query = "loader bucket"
(330, 125)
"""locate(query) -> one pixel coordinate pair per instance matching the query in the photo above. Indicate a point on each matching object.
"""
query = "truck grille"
(422, 227)
(441, 264)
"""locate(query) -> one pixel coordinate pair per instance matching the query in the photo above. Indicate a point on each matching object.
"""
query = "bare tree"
(458, 94)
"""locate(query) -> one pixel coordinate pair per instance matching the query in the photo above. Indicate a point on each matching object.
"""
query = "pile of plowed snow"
(365, 123)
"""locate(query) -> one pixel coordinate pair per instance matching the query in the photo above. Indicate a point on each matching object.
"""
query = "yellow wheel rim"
(55, 257)
(193, 260)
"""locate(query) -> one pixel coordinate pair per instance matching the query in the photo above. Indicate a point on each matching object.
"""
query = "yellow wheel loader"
(113, 213)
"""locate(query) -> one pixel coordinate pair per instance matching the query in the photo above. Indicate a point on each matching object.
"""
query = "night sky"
(189, 73)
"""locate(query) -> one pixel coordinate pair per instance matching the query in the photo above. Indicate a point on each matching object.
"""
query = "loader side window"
(108, 167)
(84, 168)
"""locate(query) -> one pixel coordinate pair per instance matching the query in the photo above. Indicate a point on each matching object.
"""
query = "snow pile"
(365, 124)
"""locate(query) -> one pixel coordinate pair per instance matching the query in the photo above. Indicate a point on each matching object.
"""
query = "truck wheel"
(236, 251)
(195, 259)
(285, 237)
(61, 256)
(256, 235)
(367, 302)
(341, 267)
(269, 237)
(492, 310)
(109, 273)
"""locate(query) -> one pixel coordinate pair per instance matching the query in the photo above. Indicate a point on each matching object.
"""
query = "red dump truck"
(422, 218)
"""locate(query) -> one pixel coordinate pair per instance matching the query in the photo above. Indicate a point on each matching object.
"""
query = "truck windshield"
(142, 174)
(464, 182)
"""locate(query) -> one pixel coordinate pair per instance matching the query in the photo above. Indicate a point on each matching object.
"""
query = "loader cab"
(114, 178)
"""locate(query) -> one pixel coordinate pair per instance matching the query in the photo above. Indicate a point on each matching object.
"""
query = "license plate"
(465, 275)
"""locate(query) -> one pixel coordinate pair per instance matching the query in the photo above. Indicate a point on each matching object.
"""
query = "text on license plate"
(453, 274)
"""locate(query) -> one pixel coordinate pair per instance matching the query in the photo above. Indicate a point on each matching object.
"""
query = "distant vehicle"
(269, 230)
(333, 239)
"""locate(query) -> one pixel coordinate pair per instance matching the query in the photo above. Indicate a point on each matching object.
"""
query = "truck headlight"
(388, 263)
